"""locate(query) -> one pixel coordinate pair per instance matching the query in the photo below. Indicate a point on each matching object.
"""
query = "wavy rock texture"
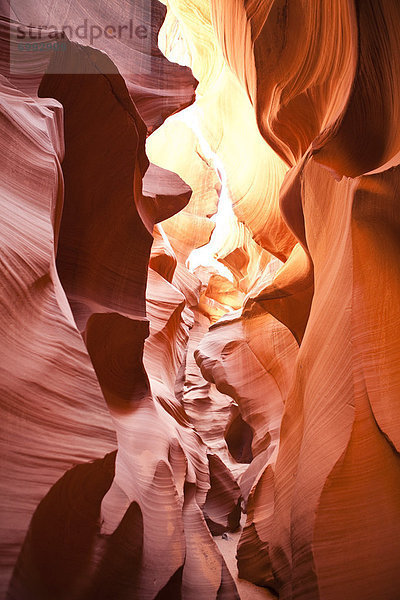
(127, 32)
(327, 537)
(149, 502)
(53, 412)
(212, 332)
(296, 92)
(229, 355)
(199, 397)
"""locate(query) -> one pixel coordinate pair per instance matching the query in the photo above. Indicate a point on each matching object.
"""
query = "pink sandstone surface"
(200, 288)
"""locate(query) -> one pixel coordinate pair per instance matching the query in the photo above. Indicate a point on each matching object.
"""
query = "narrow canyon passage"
(200, 288)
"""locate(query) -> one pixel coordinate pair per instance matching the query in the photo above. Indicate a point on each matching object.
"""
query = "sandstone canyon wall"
(200, 300)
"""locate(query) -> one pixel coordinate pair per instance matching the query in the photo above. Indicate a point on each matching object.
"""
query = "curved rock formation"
(327, 537)
(126, 31)
(210, 333)
(53, 412)
(253, 361)
(103, 251)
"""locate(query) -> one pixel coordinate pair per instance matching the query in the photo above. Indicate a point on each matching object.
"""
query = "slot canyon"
(200, 300)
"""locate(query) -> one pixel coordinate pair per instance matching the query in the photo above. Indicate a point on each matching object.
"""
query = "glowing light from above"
(172, 43)
(224, 219)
